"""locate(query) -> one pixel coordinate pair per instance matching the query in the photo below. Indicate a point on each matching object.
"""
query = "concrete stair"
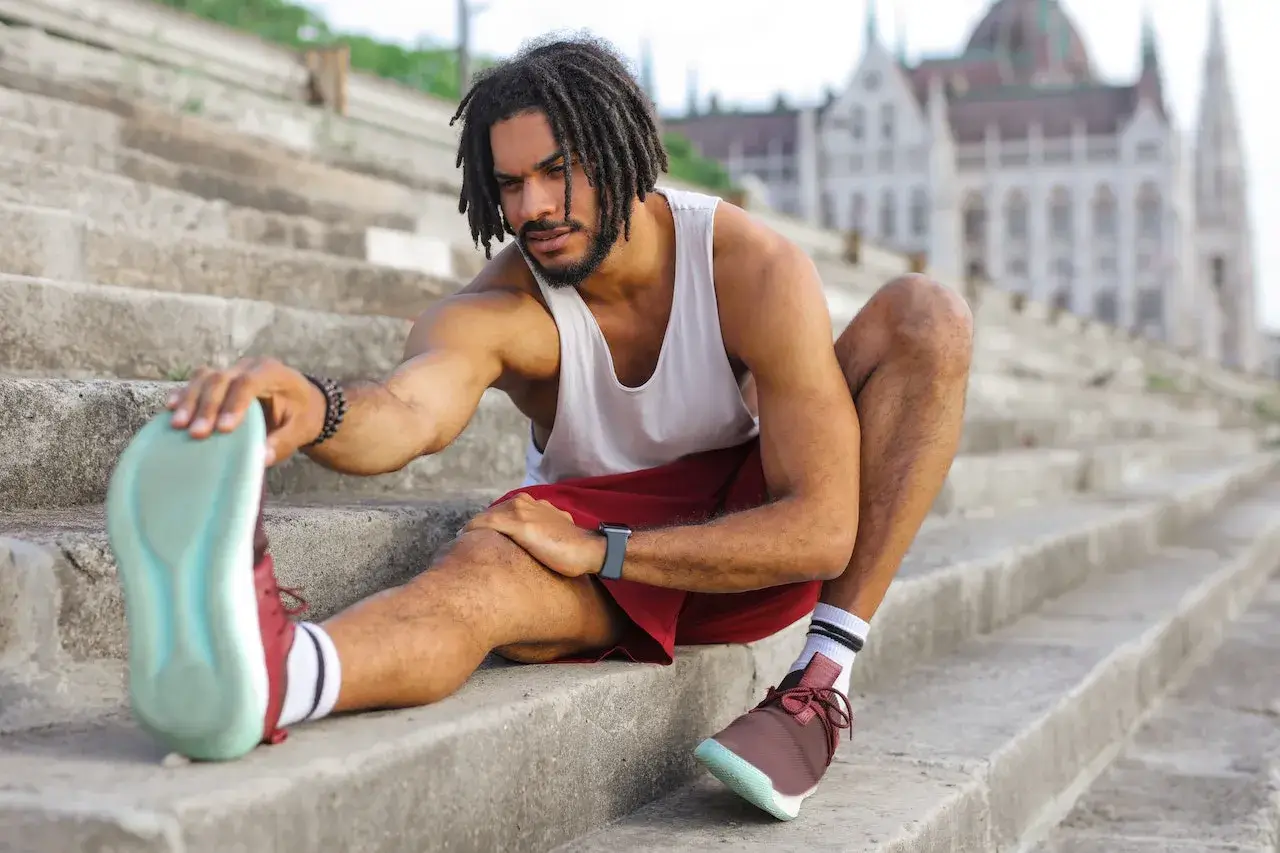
(1200, 774)
(1092, 542)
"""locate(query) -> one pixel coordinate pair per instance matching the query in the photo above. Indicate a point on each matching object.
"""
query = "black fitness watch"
(615, 548)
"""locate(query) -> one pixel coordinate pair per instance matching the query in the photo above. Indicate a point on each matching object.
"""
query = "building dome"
(1037, 34)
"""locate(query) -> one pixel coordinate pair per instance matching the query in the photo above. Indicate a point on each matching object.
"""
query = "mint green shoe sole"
(745, 780)
(181, 514)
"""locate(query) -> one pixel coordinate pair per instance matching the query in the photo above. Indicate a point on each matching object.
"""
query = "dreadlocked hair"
(598, 113)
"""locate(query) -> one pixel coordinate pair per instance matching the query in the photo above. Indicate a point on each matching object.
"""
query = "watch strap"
(615, 549)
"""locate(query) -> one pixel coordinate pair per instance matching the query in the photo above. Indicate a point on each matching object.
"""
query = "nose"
(538, 200)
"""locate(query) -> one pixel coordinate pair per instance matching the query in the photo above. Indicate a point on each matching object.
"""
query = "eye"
(556, 170)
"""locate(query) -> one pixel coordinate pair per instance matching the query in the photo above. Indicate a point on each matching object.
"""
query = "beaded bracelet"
(335, 407)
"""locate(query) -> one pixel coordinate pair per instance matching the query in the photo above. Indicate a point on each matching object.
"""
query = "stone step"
(338, 551)
(1200, 775)
(968, 751)
(51, 243)
(45, 168)
(49, 168)
(182, 151)
(602, 740)
(89, 330)
(60, 438)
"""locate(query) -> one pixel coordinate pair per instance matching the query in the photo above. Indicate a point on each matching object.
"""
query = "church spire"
(902, 34)
(1150, 86)
(872, 23)
(1217, 42)
(1150, 56)
(1222, 204)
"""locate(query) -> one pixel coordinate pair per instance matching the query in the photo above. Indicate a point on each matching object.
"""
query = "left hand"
(547, 533)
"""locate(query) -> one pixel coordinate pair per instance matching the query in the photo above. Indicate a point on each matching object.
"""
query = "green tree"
(425, 66)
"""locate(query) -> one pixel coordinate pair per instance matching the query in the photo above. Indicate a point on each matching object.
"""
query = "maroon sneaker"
(774, 755)
(209, 635)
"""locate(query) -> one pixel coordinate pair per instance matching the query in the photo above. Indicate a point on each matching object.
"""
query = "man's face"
(530, 173)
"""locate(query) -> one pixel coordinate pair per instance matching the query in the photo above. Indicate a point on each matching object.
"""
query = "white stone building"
(1013, 160)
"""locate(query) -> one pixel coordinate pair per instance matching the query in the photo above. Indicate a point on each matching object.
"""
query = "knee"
(478, 562)
(485, 548)
(927, 322)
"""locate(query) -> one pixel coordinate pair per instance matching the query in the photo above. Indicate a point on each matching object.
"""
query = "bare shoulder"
(768, 288)
(499, 313)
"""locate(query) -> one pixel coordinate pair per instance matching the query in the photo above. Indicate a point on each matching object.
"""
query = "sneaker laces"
(273, 605)
(828, 704)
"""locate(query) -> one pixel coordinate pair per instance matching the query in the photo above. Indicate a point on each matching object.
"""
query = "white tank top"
(691, 403)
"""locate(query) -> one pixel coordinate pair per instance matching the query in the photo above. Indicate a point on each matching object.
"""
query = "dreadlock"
(598, 113)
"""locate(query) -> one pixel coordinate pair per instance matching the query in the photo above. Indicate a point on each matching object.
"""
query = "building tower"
(1225, 241)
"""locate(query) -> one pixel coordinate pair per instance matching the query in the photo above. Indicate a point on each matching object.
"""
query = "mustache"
(548, 225)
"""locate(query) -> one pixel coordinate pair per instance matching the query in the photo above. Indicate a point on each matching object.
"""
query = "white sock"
(840, 653)
(314, 676)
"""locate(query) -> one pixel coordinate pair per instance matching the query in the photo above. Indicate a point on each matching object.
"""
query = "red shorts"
(688, 491)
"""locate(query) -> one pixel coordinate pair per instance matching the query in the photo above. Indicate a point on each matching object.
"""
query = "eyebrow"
(544, 163)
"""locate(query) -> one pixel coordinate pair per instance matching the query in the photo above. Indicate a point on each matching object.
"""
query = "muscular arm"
(455, 351)
(775, 319)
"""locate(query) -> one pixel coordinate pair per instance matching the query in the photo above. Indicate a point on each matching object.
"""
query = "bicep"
(809, 434)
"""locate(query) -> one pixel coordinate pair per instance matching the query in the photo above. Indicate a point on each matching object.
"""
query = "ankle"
(314, 676)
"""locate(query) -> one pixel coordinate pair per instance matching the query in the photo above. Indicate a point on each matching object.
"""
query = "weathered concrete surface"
(55, 244)
(337, 552)
(43, 168)
(60, 439)
(1203, 773)
(963, 753)
(179, 149)
(65, 328)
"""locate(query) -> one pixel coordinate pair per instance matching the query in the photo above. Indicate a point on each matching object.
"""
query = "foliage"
(425, 66)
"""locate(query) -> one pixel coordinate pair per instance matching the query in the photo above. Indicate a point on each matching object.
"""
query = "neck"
(634, 264)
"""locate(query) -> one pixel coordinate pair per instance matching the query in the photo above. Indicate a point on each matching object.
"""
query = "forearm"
(380, 433)
(787, 541)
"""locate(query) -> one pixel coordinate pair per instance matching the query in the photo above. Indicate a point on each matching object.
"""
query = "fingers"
(218, 399)
(517, 514)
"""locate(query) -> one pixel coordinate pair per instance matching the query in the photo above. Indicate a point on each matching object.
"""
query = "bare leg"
(906, 357)
(418, 643)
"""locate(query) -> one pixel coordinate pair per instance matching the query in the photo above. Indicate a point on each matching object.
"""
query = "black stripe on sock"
(315, 705)
(834, 632)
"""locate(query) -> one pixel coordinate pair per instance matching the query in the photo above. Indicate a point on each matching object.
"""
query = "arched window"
(919, 212)
(888, 215)
(1060, 219)
(1015, 216)
(1105, 222)
(1150, 212)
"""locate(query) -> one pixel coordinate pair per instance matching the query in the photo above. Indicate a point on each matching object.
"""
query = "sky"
(749, 51)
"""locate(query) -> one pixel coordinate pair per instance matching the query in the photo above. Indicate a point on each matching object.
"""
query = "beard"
(573, 273)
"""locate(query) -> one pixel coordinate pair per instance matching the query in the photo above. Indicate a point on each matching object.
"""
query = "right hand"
(218, 399)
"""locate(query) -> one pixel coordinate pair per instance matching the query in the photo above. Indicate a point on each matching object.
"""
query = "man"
(641, 332)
